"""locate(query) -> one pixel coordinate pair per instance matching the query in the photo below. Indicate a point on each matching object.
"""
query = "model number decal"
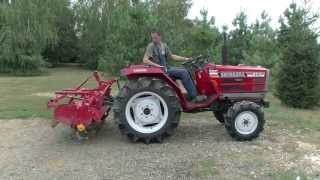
(242, 74)
(256, 74)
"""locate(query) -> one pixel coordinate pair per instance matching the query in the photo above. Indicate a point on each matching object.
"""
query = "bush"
(22, 65)
(298, 76)
(26, 28)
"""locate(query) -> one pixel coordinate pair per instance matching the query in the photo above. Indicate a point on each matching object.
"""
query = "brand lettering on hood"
(232, 74)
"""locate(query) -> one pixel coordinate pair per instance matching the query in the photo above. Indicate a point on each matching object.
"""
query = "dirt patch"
(43, 94)
(200, 149)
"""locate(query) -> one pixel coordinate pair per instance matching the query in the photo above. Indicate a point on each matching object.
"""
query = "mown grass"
(23, 97)
(298, 118)
(207, 168)
(288, 175)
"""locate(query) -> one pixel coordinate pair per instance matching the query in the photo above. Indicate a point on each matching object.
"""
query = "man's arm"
(179, 58)
(146, 60)
(174, 56)
(148, 55)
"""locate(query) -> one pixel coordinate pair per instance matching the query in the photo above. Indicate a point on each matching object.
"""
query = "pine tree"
(204, 36)
(239, 39)
(262, 49)
(298, 76)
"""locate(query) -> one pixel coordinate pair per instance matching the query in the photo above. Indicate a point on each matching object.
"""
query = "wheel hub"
(246, 122)
(147, 110)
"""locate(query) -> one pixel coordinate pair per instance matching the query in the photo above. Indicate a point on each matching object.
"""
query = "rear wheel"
(147, 109)
(244, 120)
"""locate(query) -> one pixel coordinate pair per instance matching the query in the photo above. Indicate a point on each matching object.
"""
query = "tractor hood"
(240, 68)
(241, 78)
(242, 71)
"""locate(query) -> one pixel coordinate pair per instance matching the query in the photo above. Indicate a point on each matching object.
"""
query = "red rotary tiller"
(83, 109)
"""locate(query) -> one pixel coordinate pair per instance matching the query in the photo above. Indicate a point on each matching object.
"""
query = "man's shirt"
(158, 52)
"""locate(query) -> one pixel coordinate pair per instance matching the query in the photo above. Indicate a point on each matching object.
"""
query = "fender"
(136, 71)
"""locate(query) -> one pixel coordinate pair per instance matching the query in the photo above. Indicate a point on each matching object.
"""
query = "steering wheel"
(196, 62)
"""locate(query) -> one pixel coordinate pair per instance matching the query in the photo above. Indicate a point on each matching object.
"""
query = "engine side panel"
(239, 82)
(242, 79)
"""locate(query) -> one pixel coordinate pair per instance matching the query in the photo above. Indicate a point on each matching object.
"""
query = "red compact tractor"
(149, 105)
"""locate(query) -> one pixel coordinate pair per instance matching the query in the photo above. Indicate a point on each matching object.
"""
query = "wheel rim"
(246, 122)
(146, 112)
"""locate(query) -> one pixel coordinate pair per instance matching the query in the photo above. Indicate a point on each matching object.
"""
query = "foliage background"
(109, 34)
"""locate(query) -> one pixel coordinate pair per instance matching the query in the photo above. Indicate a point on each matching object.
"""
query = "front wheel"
(244, 120)
(219, 115)
(147, 109)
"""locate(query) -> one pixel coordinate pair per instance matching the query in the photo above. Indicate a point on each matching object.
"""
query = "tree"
(262, 47)
(114, 33)
(64, 49)
(298, 76)
(170, 17)
(204, 36)
(127, 37)
(26, 28)
(239, 39)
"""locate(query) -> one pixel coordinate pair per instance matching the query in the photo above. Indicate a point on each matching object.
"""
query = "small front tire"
(244, 120)
(219, 115)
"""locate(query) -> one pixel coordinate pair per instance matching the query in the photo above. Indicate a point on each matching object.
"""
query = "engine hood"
(240, 68)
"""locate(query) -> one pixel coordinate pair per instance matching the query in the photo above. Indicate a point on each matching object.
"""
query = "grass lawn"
(24, 97)
(299, 118)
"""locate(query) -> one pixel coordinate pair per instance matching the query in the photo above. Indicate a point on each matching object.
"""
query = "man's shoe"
(199, 99)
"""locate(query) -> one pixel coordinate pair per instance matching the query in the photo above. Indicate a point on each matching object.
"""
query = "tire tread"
(235, 110)
(164, 90)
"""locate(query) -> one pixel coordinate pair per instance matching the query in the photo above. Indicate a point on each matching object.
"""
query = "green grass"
(207, 168)
(299, 118)
(24, 97)
(288, 175)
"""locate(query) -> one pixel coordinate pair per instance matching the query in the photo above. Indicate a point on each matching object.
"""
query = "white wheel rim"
(246, 122)
(146, 112)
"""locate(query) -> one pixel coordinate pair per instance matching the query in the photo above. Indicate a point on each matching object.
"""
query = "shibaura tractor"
(149, 105)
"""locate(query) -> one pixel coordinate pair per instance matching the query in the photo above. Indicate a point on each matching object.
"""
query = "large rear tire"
(147, 109)
(244, 120)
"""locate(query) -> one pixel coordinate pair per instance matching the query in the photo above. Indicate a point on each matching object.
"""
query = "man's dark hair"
(156, 31)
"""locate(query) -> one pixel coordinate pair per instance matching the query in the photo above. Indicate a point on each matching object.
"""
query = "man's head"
(156, 37)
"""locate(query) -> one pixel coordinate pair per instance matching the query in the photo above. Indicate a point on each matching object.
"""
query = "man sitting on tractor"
(157, 53)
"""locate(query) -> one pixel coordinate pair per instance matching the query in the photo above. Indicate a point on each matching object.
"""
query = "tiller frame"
(83, 109)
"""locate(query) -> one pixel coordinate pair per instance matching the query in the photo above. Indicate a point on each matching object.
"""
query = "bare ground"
(200, 149)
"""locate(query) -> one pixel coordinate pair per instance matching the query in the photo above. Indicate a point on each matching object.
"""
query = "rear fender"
(136, 71)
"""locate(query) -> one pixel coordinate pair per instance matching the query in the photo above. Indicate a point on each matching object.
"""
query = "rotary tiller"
(83, 109)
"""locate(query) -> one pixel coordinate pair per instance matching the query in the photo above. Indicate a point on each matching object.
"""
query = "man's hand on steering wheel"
(188, 59)
(195, 62)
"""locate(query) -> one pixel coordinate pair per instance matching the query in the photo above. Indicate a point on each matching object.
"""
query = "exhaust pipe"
(224, 50)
